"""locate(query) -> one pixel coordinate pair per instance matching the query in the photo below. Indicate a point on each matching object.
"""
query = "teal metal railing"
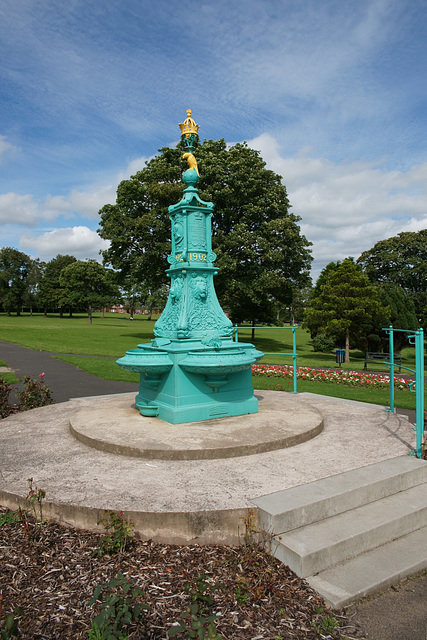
(277, 353)
(415, 338)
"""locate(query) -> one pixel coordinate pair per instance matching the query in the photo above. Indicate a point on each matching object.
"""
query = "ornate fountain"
(193, 370)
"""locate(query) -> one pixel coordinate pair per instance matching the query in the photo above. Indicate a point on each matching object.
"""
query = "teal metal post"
(278, 353)
(417, 339)
(419, 388)
(391, 356)
(294, 356)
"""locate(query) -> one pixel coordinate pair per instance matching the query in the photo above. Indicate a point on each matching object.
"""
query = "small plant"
(9, 626)
(118, 533)
(34, 500)
(241, 596)
(36, 394)
(194, 621)
(10, 517)
(5, 407)
(328, 624)
(195, 625)
(119, 609)
(96, 634)
(200, 592)
(250, 530)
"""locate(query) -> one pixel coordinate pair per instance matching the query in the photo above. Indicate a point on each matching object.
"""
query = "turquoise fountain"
(193, 370)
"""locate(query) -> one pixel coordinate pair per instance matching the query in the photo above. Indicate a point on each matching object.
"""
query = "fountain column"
(192, 370)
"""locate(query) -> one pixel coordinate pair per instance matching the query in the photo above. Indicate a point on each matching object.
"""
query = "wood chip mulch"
(254, 596)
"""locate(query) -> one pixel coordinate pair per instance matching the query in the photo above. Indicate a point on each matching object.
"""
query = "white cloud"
(79, 241)
(17, 209)
(25, 210)
(347, 208)
(5, 146)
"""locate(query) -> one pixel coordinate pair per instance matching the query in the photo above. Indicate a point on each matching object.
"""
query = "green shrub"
(5, 407)
(323, 343)
(36, 394)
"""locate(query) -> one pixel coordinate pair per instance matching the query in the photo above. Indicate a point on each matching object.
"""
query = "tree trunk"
(347, 345)
(102, 312)
(253, 330)
(89, 314)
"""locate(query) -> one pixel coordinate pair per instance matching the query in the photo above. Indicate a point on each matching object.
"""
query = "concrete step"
(355, 533)
(302, 505)
(372, 571)
(317, 546)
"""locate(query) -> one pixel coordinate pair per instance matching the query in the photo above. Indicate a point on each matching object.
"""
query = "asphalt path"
(65, 380)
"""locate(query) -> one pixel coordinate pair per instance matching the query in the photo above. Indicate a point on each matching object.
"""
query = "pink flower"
(41, 375)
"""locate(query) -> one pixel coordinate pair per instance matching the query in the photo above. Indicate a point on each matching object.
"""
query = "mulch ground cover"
(52, 580)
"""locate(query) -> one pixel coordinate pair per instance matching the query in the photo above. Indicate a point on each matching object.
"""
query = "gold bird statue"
(192, 162)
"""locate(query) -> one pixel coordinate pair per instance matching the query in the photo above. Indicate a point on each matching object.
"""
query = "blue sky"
(332, 92)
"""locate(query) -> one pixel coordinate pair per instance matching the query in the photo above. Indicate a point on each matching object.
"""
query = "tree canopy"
(261, 254)
(50, 289)
(345, 305)
(16, 269)
(87, 284)
(401, 260)
(401, 315)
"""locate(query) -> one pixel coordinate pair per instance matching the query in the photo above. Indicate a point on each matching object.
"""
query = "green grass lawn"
(112, 336)
(9, 377)
(109, 336)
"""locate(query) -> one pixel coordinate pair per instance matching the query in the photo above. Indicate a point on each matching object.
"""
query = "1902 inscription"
(192, 257)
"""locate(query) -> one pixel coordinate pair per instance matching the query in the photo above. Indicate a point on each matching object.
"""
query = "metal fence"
(277, 353)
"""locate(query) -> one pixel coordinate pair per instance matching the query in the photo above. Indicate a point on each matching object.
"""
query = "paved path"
(65, 380)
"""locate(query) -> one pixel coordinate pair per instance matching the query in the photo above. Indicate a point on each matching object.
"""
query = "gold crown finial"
(189, 127)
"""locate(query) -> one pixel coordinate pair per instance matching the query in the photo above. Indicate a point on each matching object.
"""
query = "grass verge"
(402, 399)
(109, 370)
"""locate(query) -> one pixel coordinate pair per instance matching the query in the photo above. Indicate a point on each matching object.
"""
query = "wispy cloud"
(6, 147)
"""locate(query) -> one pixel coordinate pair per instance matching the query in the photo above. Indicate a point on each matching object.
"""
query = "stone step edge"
(302, 505)
(314, 547)
(372, 571)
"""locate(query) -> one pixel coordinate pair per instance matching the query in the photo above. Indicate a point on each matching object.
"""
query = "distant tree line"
(354, 300)
(65, 285)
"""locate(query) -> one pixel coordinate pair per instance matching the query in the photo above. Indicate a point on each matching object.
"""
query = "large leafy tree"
(261, 254)
(345, 304)
(401, 260)
(401, 315)
(15, 270)
(50, 290)
(87, 284)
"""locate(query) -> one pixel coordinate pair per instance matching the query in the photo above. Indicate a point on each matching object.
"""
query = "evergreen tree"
(345, 305)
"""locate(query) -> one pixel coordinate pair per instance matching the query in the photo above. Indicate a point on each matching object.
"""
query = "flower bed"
(335, 376)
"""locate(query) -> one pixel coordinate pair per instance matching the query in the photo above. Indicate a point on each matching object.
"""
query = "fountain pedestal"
(193, 370)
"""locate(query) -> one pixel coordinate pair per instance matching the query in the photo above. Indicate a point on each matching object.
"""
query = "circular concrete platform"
(183, 501)
(117, 427)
